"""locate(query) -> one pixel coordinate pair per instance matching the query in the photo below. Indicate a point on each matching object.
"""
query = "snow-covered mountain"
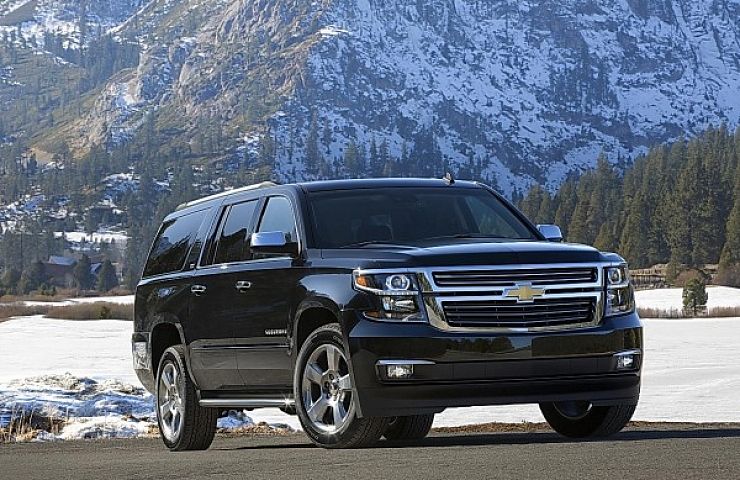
(72, 21)
(520, 91)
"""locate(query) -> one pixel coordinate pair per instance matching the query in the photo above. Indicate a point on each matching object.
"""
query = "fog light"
(627, 360)
(397, 372)
(140, 355)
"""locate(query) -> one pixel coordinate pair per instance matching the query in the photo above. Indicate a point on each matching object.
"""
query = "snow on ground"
(33, 346)
(96, 237)
(692, 374)
(671, 299)
(120, 299)
(101, 409)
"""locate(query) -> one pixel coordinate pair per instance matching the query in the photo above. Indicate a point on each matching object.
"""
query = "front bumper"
(467, 369)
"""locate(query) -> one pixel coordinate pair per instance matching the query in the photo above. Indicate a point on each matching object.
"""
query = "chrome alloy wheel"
(170, 405)
(326, 389)
(574, 410)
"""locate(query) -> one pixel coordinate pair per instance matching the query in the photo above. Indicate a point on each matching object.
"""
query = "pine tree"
(82, 273)
(107, 278)
(731, 250)
(694, 297)
(633, 242)
(313, 156)
(566, 199)
(530, 205)
(352, 161)
(32, 278)
(681, 221)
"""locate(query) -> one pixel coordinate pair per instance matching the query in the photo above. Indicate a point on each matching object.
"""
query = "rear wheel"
(582, 419)
(325, 402)
(183, 423)
(414, 427)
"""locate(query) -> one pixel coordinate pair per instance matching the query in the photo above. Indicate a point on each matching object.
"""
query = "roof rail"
(226, 193)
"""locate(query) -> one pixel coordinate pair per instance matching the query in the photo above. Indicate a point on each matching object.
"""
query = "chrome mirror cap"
(273, 243)
(551, 232)
(268, 240)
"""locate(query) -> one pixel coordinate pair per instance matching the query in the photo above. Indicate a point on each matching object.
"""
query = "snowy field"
(670, 298)
(83, 369)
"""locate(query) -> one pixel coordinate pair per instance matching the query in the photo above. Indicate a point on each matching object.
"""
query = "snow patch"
(671, 298)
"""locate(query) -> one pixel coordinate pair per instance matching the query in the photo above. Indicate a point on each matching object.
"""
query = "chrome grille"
(511, 277)
(542, 313)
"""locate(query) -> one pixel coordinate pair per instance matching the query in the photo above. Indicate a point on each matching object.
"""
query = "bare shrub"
(10, 311)
(80, 311)
(92, 311)
(716, 312)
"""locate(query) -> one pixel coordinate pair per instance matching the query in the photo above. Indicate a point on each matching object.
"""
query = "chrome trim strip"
(385, 363)
(432, 295)
(247, 402)
(635, 351)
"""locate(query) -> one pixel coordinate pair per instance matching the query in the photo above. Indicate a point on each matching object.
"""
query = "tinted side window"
(278, 217)
(233, 246)
(172, 244)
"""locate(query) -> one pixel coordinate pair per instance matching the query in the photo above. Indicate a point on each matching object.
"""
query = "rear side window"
(172, 244)
(233, 245)
(279, 217)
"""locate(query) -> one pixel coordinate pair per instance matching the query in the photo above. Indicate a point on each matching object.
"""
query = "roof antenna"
(449, 178)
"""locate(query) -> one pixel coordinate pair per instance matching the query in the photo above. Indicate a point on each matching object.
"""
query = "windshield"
(411, 216)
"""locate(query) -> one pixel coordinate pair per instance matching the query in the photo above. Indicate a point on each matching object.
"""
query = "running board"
(247, 402)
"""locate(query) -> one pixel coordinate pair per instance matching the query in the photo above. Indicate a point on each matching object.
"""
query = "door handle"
(243, 286)
(198, 290)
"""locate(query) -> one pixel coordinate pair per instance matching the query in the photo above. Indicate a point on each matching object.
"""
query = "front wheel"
(582, 419)
(183, 423)
(325, 401)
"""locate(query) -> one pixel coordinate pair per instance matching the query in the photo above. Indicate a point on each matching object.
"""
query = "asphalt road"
(650, 453)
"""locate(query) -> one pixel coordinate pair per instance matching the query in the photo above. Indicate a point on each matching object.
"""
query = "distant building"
(60, 271)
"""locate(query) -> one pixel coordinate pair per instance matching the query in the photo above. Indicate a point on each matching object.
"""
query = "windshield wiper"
(373, 242)
(470, 235)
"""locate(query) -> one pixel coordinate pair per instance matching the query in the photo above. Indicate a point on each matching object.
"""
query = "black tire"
(355, 432)
(198, 424)
(592, 422)
(414, 427)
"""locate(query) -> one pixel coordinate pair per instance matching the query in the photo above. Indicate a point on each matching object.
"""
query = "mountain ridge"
(520, 92)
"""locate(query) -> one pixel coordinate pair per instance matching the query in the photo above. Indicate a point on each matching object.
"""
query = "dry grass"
(93, 311)
(25, 426)
(61, 295)
(261, 429)
(81, 311)
(524, 427)
(724, 312)
(10, 311)
(717, 312)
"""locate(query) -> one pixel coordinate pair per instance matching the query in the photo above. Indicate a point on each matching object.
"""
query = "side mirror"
(551, 232)
(273, 243)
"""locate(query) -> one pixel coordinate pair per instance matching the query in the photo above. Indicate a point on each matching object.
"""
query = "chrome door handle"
(243, 286)
(198, 290)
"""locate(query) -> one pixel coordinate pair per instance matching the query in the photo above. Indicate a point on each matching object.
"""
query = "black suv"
(367, 306)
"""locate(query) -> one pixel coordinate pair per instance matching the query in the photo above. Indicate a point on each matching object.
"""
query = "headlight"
(397, 295)
(620, 296)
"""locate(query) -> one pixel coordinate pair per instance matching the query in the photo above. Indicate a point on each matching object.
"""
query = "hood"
(475, 253)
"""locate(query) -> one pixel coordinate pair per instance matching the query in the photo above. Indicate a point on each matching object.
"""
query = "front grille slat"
(510, 314)
(497, 278)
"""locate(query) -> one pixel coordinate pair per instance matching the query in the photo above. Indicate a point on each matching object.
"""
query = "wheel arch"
(312, 314)
(165, 334)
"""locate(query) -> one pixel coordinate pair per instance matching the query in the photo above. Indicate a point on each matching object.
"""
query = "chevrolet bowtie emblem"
(524, 292)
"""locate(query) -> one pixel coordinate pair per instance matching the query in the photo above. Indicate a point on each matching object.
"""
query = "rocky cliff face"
(520, 91)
